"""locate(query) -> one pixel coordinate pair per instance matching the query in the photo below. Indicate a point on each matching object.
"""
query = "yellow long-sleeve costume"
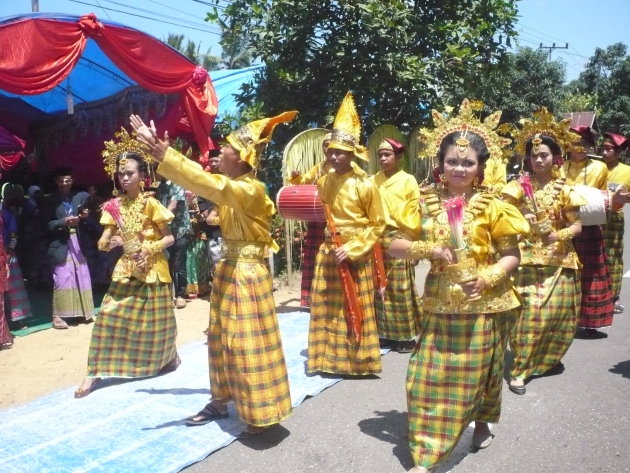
(614, 228)
(548, 281)
(244, 346)
(596, 308)
(455, 372)
(398, 316)
(358, 214)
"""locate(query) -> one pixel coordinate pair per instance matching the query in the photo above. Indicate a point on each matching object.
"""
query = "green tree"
(193, 52)
(399, 57)
(518, 84)
(606, 78)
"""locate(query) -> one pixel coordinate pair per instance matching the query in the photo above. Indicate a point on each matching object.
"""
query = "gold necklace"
(132, 212)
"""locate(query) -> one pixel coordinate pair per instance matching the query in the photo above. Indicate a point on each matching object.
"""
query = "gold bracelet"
(419, 250)
(153, 247)
(103, 245)
(565, 234)
(493, 275)
(571, 216)
(506, 242)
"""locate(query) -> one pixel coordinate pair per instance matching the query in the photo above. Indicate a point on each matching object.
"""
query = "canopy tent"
(54, 63)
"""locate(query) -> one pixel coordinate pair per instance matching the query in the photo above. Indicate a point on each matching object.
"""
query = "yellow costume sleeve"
(506, 221)
(512, 193)
(106, 219)
(312, 175)
(157, 213)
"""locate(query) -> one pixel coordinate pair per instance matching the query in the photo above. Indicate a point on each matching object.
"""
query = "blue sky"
(584, 24)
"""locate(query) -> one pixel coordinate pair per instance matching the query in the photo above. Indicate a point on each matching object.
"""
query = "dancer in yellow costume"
(549, 276)
(357, 212)
(398, 313)
(618, 176)
(470, 236)
(246, 360)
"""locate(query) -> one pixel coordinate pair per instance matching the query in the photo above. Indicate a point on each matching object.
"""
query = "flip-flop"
(206, 415)
(250, 434)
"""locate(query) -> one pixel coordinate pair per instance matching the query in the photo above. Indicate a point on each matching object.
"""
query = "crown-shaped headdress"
(122, 143)
(346, 132)
(465, 121)
(249, 140)
(544, 123)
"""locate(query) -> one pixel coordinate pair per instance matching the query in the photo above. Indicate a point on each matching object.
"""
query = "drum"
(597, 205)
(300, 203)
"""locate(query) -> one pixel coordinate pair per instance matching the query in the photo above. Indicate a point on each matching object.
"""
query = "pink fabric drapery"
(38, 54)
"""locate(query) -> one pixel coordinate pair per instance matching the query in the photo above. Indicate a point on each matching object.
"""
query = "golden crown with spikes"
(122, 143)
(250, 139)
(346, 132)
(465, 121)
(544, 123)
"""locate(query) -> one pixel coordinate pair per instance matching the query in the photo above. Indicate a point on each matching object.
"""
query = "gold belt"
(236, 250)
(345, 233)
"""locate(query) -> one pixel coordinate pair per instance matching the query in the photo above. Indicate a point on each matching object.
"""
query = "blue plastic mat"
(138, 426)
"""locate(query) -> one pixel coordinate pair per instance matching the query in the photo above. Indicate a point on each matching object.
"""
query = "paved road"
(574, 422)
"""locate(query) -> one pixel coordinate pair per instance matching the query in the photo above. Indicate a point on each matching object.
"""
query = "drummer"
(314, 230)
(334, 345)
(618, 175)
(398, 313)
(597, 298)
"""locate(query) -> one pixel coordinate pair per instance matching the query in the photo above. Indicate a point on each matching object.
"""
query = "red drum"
(597, 205)
(300, 203)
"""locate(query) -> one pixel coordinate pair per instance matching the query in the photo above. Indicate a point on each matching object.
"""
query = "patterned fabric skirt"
(331, 347)
(197, 267)
(72, 286)
(398, 317)
(613, 242)
(597, 297)
(312, 241)
(18, 306)
(6, 339)
(454, 377)
(135, 331)
(246, 360)
(545, 328)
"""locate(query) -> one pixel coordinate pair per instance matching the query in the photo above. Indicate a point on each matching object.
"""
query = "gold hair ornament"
(122, 144)
(544, 123)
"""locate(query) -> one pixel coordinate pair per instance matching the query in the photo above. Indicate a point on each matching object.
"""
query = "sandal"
(82, 392)
(206, 415)
(252, 432)
(59, 323)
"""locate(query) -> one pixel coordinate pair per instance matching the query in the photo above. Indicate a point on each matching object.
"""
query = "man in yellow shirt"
(246, 360)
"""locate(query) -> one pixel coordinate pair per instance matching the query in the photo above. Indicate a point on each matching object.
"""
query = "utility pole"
(34, 5)
(552, 47)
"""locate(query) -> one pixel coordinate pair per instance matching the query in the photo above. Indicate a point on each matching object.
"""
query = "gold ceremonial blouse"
(489, 225)
(561, 204)
(356, 208)
(244, 208)
(312, 175)
(619, 176)
(154, 216)
(588, 172)
(401, 201)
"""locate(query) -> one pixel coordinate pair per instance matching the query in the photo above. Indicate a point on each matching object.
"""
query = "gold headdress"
(346, 132)
(543, 123)
(122, 143)
(465, 121)
(249, 140)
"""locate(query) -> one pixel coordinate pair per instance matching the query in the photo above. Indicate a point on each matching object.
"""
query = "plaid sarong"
(313, 239)
(545, 328)
(246, 360)
(613, 242)
(597, 297)
(454, 377)
(197, 267)
(331, 347)
(18, 306)
(134, 333)
(72, 285)
(398, 317)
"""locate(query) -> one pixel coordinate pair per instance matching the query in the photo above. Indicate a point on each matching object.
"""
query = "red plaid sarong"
(313, 239)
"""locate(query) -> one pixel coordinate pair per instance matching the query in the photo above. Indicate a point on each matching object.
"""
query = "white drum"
(597, 205)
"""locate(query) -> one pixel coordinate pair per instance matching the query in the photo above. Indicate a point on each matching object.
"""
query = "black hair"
(546, 140)
(137, 157)
(62, 171)
(475, 142)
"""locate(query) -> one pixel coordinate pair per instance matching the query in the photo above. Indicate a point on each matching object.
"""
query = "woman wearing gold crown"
(135, 331)
(246, 360)
(342, 336)
(549, 276)
(470, 236)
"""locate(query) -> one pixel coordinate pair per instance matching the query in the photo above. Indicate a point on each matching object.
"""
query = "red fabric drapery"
(11, 149)
(38, 54)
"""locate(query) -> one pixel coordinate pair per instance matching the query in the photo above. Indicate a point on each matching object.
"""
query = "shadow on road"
(391, 427)
(622, 368)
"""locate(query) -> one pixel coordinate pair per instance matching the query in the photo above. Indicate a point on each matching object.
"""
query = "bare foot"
(482, 437)
(253, 431)
(86, 387)
(517, 382)
(418, 469)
